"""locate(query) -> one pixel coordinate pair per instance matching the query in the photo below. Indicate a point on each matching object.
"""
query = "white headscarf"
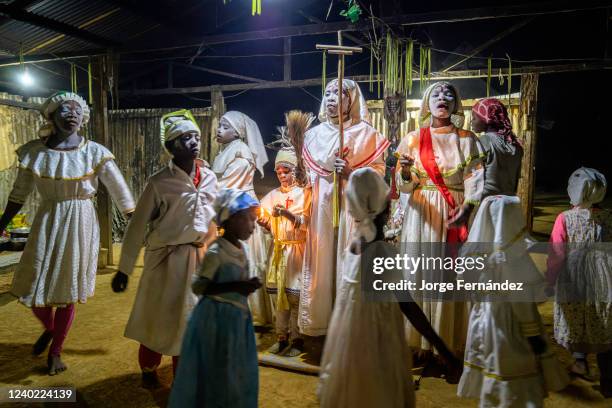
(52, 103)
(367, 195)
(286, 157)
(586, 187)
(358, 110)
(457, 118)
(249, 132)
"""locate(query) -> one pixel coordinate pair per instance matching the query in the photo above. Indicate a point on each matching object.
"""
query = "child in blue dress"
(218, 366)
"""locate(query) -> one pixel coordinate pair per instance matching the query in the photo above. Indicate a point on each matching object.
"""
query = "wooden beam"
(527, 133)
(217, 72)
(450, 16)
(287, 59)
(101, 134)
(19, 104)
(467, 74)
(217, 110)
(54, 25)
(490, 42)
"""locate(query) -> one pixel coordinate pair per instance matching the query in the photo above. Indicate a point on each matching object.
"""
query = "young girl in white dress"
(242, 153)
(366, 360)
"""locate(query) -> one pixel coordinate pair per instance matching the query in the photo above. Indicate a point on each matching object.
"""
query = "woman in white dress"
(243, 152)
(366, 361)
(441, 168)
(364, 146)
(59, 263)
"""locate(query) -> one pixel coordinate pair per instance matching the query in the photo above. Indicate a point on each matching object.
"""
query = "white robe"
(459, 157)
(235, 168)
(366, 361)
(292, 240)
(172, 219)
(60, 260)
(365, 147)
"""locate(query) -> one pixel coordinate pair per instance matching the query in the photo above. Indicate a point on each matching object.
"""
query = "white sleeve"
(23, 186)
(111, 177)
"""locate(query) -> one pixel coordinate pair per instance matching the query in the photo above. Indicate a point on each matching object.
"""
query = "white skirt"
(60, 260)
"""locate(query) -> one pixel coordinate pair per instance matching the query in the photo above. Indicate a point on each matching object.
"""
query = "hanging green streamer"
(89, 82)
(409, 64)
(324, 74)
(489, 61)
(378, 75)
(400, 74)
(428, 65)
(371, 84)
(73, 78)
(422, 66)
(509, 78)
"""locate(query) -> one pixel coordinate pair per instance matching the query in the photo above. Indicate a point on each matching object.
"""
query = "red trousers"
(149, 360)
(57, 322)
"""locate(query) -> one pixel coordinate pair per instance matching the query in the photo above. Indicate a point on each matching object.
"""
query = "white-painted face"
(225, 132)
(331, 100)
(442, 101)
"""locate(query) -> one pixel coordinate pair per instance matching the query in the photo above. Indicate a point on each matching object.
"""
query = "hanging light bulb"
(26, 79)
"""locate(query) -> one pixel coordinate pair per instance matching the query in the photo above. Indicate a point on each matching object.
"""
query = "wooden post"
(101, 66)
(527, 133)
(217, 110)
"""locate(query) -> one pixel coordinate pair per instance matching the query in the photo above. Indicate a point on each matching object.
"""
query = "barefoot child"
(59, 263)
(172, 219)
(582, 276)
(366, 360)
(218, 365)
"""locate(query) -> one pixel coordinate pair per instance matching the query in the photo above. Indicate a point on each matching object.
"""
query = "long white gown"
(60, 260)
(366, 147)
(235, 168)
(459, 158)
(366, 362)
(172, 220)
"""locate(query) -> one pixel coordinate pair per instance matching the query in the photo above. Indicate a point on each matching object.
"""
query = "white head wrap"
(358, 108)
(286, 157)
(367, 195)
(52, 103)
(229, 201)
(249, 132)
(175, 124)
(586, 187)
(457, 118)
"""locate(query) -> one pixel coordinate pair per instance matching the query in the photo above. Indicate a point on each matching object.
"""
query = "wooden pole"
(100, 67)
(527, 133)
(217, 110)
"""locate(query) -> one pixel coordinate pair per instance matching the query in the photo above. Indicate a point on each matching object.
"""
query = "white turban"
(249, 132)
(175, 124)
(358, 109)
(457, 117)
(52, 103)
(586, 187)
(286, 157)
(367, 195)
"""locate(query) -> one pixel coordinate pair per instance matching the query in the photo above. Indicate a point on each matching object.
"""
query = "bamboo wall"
(135, 143)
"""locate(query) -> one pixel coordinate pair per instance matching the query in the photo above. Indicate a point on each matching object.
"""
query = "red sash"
(198, 175)
(428, 160)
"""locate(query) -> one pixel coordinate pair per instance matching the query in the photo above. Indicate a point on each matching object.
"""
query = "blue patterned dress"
(218, 364)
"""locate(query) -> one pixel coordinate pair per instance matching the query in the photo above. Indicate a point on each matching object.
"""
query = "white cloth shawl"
(249, 132)
(367, 195)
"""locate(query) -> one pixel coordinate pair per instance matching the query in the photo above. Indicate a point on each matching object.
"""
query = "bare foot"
(150, 380)
(43, 341)
(55, 365)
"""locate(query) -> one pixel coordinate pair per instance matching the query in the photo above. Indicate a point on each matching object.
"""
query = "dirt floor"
(104, 369)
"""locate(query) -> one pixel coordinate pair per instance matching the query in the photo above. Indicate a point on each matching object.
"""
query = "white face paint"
(442, 101)
(332, 100)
